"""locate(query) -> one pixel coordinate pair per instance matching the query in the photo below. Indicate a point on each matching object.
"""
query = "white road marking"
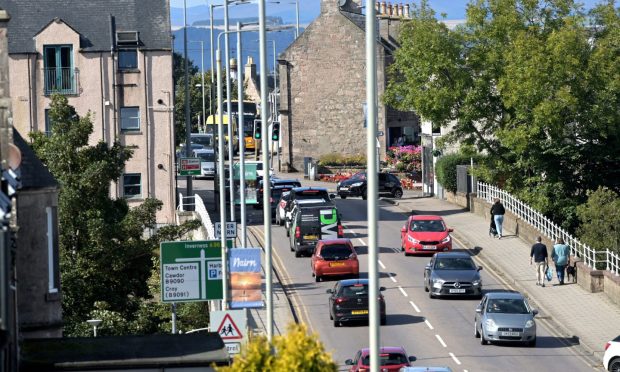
(428, 324)
(392, 277)
(403, 291)
(351, 232)
(381, 264)
(441, 341)
(361, 241)
(414, 306)
(465, 370)
(455, 359)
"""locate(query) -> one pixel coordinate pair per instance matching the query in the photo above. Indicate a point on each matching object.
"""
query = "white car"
(611, 359)
(207, 162)
(280, 208)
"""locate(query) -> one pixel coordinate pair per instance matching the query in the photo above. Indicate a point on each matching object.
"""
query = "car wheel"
(476, 333)
(317, 278)
(330, 316)
(533, 344)
(483, 341)
(614, 365)
(343, 196)
(425, 287)
(430, 294)
(292, 249)
(397, 194)
(297, 254)
(287, 232)
(364, 196)
(336, 323)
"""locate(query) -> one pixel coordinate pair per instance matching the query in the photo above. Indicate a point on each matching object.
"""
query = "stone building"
(323, 85)
(113, 59)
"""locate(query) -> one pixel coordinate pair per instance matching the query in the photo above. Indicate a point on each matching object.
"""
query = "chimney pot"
(400, 10)
(407, 12)
(389, 9)
(378, 7)
(383, 8)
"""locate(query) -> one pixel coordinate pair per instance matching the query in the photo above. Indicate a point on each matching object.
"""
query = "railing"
(186, 201)
(60, 80)
(602, 260)
(204, 216)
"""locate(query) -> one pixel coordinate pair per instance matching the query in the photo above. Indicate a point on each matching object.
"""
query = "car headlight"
(446, 239)
(476, 283)
(529, 324)
(338, 184)
(412, 240)
(490, 325)
(438, 283)
(357, 184)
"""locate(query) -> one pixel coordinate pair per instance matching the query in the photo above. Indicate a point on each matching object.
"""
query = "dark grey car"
(452, 273)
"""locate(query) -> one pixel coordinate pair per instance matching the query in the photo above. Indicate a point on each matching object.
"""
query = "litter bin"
(307, 162)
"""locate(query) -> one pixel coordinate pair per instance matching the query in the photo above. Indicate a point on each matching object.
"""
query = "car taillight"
(340, 231)
(270, 199)
(607, 345)
(363, 370)
(297, 232)
(339, 300)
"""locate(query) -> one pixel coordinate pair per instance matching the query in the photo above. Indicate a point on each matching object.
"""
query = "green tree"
(600, 220)
(179, 67)
(295, 351)
(529, 83)
(104, 256)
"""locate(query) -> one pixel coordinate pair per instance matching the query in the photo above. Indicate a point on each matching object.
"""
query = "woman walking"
(498, 211)
(561, 257)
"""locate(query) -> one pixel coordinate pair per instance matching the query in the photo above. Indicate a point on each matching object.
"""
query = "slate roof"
(91, 19)
(33, 174)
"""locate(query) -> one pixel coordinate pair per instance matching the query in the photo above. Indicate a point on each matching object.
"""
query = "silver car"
(452, 273)
(505, 317)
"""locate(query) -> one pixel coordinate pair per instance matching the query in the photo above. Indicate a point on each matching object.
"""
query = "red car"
(425, 234)
(392, 358)
(334, 257)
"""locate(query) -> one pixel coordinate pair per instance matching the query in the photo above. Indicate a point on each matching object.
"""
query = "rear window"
(312, 194)
(335, 251)
(356, 290)
(617, 339)
(388, 359)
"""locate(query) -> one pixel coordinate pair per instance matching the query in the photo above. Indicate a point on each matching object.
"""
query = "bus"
(250, 112)
(214, 120)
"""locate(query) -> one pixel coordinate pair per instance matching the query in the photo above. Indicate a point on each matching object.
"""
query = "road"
(437, 332)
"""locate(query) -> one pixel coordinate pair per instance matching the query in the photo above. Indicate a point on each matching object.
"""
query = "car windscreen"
(507, 306)
(358, 176)
(388, 359)
(454, 263)
(427, 226)
(201, 140)
(355, 290)
(335, 251)
(206, 156)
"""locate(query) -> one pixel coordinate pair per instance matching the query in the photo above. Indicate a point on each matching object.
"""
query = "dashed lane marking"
(361, 241)
(414, 306)
(351, 232)
(381, 264)
(456, 360)
(441, 341)
(428, 324)
(392, 277)
(403, 291)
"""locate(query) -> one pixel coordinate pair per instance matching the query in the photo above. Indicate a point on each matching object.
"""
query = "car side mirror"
(479, 268)
(427, 267)
(450, 230)
(381, 289)
(534, 312)
(348, 362)
(403, 229)
(412, 359)
(329, 291)
(479, 309)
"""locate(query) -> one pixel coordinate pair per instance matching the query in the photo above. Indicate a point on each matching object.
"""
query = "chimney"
(383, 8)
(407, 13)
(250, 69)
(389, 9)
(378, 8)
(400, 10)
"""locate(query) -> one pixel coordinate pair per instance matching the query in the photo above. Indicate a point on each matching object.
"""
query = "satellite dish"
(342, 3)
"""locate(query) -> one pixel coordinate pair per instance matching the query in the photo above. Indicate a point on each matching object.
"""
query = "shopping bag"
(548, 274)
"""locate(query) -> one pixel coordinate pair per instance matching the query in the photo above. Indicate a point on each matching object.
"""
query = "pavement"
(586, 320)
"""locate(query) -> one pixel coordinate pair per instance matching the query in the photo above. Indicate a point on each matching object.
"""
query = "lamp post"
(188, 124)
(202, 64)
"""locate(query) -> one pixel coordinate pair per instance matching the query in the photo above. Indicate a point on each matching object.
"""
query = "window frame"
(124, 50)
(130, 118)
(125, 185)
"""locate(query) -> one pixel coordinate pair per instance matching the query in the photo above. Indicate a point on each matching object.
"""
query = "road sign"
(231, 230)
(191, 270)
(189, 167)
(232, 328)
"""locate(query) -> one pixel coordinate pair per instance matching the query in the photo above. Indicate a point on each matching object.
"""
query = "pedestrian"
(561, 257)
(400, 141)
(540, 255)
(498, 211)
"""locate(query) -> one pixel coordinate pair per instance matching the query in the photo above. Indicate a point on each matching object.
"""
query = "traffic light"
(275, 131)
(257, 129)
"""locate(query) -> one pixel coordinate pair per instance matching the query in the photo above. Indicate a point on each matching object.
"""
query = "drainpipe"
(114, 98)
(147, 129)
(102, 98)
(30, 92)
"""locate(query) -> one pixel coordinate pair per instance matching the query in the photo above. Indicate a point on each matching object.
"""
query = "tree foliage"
(600, 220)
(105, 260)
(295, 351)
(533, 84)
(445, 169)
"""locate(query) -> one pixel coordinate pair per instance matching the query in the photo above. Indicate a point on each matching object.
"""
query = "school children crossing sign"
(232, 328)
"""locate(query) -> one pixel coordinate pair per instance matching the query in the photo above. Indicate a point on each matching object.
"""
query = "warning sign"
(228, 330)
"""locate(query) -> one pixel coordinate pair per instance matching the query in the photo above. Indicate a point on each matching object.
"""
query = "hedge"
(445, 169)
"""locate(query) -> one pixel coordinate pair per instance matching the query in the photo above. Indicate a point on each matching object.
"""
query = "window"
(130, 118)
(132, 185)
(48, 123)
(52, 250)
(58, 69)
(128, 59)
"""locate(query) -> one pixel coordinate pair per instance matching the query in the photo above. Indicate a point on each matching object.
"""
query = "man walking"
(539, 254)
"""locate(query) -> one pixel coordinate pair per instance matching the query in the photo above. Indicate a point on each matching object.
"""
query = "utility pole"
(188, 123)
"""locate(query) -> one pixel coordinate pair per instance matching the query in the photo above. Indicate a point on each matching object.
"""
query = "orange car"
(334, 257)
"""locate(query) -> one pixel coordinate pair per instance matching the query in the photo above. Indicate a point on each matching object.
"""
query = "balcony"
(62, 80)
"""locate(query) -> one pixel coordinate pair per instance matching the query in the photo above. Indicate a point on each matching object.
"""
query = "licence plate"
(335, 264)
(514, 334)
(457, 290)
(344, 188)
(429, 247)
(359, 312)
(311, 237)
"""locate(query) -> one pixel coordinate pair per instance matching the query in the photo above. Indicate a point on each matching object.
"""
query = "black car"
(348, 301)
(309, 224)
(274, 183)
(356, 186)
(276, 194)
(306, 196)
(452, 273)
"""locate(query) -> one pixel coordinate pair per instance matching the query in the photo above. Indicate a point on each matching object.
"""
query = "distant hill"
(233, 21)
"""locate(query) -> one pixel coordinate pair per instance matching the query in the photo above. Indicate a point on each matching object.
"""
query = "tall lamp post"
(188, 124)
(202, 64)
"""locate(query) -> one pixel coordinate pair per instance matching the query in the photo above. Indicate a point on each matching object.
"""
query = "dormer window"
(127, 43)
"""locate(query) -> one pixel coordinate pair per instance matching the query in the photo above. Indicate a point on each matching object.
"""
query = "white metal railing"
(204, 216)
(603, 260)
(185, 201)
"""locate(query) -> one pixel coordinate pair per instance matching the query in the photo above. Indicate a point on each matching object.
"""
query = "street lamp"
(202, 63)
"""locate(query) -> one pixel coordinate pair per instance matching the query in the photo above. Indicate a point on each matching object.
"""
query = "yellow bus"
(250, 113)
(214, 120)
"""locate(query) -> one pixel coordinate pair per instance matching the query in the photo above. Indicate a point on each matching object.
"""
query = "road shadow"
(546, 342)
(402, 319)
(445, 212)
(363, 249)
(364, 275)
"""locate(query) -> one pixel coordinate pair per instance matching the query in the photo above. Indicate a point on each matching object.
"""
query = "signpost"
(231, 230)
(189, 167)
(191, 270)
(232, 328)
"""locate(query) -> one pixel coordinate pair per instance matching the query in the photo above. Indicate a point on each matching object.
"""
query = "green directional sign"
(191, 270)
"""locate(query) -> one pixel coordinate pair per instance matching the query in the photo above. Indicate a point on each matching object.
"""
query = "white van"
(207, 162)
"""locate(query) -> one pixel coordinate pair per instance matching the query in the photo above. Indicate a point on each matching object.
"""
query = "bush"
(404, 158)
(600, 220)
(334, 159)
(445, 169)
(295, 351)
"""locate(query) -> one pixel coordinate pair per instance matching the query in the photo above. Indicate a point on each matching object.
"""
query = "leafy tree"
(179, 67)
(104, 257)
(600, 220)
(529, 83)
(295, 351)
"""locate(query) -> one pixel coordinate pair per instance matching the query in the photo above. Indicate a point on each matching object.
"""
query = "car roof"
(348, 282)
(385, 349)
(312, 201)
(280, 180)
(452, 254)
(335, 241)
(507, 295)
(203, 150)
(306, 188)
(426, 217)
